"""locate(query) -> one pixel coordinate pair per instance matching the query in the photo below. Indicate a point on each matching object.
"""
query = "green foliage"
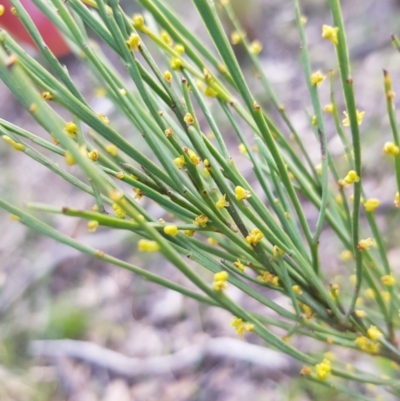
(257, 240)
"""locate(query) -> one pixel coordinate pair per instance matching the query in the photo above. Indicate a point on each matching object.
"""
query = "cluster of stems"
(181, 101)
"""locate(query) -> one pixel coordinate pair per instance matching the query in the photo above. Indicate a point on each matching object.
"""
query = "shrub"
(256, 238)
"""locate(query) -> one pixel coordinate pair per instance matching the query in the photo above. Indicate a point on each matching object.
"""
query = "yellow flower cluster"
(330, 33)
(389, 280)
(329, 108)
(93, 155)
(365, 244)
(317, 78)
(171, 230)
(119, 212)
(254, 237)
(365, 344)
(374, 333)
(145, 245)
(220, 280)
(242, 193)
(180, 162)
(391, 149)
(201, 220)
(370, 205)
(350, 178)
(111, 149)
(297, 290)
(238, 264)
(210, 92)
(255, 47)
(269, 278)
(346, 120)
(92, 225)
(276, 251)
(133, 42)
(323, 369)
(222, 203)
(71, 129)
(241, 326)
(188, 118)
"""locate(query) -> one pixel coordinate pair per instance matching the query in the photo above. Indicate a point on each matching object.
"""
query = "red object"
(49, 32)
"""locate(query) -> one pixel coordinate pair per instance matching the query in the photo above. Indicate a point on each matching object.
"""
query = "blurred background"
(132, 339)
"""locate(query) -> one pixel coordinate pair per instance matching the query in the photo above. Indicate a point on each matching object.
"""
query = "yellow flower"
(318, 169)
(365, 244)
(346, 255)
(346, 120)
(92, 225)
(323, 369)
(329, 108)
(242, 148)
(133, 42)
(104, 118)
(241, 326)
(212, 241)
(391, 149)
(374, 333)
(238, 264)
(189, 233)
(297, 290)
(166, 38)
(389, 280)
(176, 64)
(369, 293)
(353, 279)
(111, 149)
(180, 161)
(189, 120)
(180, 49)
(314, 121)
(242, 193)
(119, 212)
(220, 280)
(171, 230)
(351, 177)
(306, 309)
(317, 78)
(47, 95)
(367, 345)
(254, 237)
(235, 38)
(168, 76)
(371, 204)
(145, 245)
(360, 313)
(193, 157)
(71, 129)
(168, 132)
(138, 21)
(209, 92)
(93, 155)
(138, 193)
(330, 33)
(222, 203)
(201, 220)
(255, 47)
(276, 251)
